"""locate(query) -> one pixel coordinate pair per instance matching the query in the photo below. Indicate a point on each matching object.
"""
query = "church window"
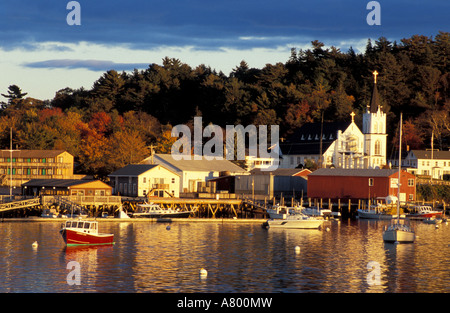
(377, 147)
(352, 143)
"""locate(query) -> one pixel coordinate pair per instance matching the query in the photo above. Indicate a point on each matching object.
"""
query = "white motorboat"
(315, 211)
(396, 232)
(299, 221)
(152, 210)
(280, 211)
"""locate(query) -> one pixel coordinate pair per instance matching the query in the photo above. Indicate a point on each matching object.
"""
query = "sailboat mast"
(399, 168)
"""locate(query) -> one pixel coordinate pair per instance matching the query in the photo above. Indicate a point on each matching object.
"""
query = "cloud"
(213, 25)
(92, 65)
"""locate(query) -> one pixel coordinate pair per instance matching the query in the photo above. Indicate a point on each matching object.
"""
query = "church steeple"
(374, 130)
(375, 100)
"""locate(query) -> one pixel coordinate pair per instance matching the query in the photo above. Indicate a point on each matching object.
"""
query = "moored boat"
(315, 211)
(79, 232)
(376, 213)
(422, 212)
(400, 233)
(152, 210)
(432, 220)
(299, 221)
(281, 211)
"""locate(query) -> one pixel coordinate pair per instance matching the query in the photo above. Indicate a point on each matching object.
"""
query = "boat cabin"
(89, 227)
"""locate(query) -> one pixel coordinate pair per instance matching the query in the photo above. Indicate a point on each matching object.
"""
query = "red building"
(360, 184)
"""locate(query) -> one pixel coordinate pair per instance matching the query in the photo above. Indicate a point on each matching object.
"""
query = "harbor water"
(345, 256)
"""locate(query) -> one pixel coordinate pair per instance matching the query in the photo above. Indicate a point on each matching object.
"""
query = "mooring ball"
(203, 273)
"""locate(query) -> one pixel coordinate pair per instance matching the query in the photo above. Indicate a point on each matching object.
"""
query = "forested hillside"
(115, 121)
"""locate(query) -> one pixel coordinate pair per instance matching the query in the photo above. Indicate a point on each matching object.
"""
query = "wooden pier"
(207, 208)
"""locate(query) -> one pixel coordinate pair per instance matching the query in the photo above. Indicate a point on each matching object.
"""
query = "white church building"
(341, 144)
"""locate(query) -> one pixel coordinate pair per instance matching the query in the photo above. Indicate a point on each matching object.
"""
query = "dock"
(95, 206)
(207, 208)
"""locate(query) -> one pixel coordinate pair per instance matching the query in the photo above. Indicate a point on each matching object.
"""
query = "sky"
(41, 53)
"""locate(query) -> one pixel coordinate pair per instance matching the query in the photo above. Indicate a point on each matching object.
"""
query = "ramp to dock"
(21, 204)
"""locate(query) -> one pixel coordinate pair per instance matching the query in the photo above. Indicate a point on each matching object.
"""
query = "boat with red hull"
(79, 233)
(422, 212)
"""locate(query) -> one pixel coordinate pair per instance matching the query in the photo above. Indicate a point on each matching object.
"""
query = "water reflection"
(149, 257)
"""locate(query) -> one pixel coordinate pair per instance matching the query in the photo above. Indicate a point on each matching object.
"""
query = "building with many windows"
(19, 166)
(434, 164)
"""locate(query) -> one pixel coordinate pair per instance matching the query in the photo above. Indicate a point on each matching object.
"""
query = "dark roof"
(375, 100)
(354, 172)
(306, 139)
(426, 154)
(56, 182)
(133, 169)
(31, 153)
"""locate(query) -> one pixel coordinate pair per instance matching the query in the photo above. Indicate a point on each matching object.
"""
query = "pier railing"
(84, 200)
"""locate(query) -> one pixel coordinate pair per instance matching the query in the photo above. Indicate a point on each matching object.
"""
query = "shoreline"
(135, 220)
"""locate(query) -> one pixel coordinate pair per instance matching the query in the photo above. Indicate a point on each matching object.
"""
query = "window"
(411, 197)
(410, 182)
(145, 180)
(370, 181)
(352, 143)
(173, 180)
(377, 147)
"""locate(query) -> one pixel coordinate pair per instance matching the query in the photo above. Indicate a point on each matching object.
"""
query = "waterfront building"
(66, 187)
(360, 184)
(140, 180)
(19, 166)
(192, 171)
(341, 144)
(261, 184)
(434, 164)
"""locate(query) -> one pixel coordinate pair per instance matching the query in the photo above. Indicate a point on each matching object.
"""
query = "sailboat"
(396, 232)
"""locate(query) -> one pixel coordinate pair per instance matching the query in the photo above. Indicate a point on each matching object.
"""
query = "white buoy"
(437, 226)
(297, 250)
(34, 244)
(327, 229)
(203, 273)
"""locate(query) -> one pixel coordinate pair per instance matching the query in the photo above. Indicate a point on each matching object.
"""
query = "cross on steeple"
(353, 116)
(375, 74)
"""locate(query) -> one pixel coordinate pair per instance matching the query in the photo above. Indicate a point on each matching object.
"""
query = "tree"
(14, 93)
